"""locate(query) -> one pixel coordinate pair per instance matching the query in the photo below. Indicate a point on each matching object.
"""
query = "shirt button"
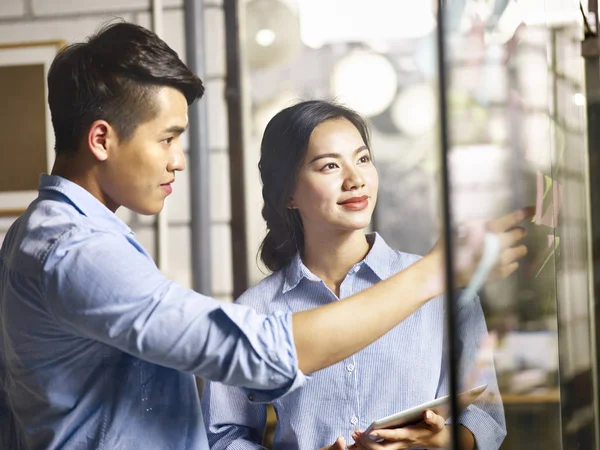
(273, 356)
(353, 420)
(251, 397)
(355, 269)
(350, 367)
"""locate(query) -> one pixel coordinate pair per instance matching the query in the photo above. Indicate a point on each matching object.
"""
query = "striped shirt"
(402, 369)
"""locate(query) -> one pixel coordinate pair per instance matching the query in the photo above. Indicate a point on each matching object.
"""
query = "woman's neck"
(330, 256)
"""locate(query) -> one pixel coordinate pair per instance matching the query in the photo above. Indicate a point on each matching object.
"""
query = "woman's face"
(337, 184)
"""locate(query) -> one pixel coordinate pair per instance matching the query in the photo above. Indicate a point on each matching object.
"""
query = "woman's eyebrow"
(336, 155)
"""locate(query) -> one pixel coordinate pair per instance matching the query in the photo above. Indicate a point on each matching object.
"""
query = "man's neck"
(330, 256)
(77, 171)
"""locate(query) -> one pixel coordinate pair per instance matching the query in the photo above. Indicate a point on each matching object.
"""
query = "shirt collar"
(294, 272)
(83, 200)
(378, 260)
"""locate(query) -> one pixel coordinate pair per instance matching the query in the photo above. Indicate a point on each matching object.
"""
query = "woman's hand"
(468, 246)
(339, 444)
(432, 432)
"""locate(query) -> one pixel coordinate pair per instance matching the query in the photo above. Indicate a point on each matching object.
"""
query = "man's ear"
(100, 136)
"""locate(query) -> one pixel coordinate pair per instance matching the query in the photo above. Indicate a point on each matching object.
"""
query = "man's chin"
(148, 210)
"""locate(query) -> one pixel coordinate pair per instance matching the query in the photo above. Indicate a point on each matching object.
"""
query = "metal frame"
(590, 51)
(199, 156)
(235, 116)
(451, 320)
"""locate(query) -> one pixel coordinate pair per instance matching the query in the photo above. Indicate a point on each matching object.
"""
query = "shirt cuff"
(488, 433)
(269, 342)
(258, 396)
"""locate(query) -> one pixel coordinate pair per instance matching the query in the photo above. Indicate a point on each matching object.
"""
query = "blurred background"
(520, 91)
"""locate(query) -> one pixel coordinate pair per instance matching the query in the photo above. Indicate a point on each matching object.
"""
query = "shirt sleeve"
(99, 286)
(485, 416)
(231, 420)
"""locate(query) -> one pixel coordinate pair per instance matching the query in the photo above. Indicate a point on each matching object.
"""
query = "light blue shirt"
(402, 369)
(98, 347)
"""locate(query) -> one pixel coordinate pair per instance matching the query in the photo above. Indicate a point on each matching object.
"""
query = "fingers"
(510, 220)
(364, 442)
(511, 237)
(395, 439)
(339, 444)
(506, 270)
(435, 421)
(512, 254)
(431, 432)
(507, 260)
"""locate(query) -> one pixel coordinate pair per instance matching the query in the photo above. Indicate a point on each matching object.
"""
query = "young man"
(97, 346)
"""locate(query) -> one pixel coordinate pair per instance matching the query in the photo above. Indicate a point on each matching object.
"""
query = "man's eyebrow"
(175, 129)
(337, 155)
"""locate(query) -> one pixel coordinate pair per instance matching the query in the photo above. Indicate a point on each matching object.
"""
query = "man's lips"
(167, 187)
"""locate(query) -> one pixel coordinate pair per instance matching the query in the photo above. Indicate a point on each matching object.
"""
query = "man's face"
(139, 173)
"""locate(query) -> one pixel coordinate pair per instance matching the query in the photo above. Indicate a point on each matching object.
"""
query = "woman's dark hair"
(113, 77)
(283, 149)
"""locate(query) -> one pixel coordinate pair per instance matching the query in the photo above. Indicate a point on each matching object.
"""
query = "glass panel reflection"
(520, 85)
(517, 137)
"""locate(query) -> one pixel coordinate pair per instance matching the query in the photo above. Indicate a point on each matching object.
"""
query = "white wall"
(73, 20)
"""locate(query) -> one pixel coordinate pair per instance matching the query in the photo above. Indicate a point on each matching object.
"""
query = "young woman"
(320, 188)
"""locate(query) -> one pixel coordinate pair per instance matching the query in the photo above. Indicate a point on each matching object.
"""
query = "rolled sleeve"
(488, 433)
(258, 396)
(100, 286)
(274, 346)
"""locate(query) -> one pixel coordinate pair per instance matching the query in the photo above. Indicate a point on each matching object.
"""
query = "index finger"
(511, 219)
(364, 442)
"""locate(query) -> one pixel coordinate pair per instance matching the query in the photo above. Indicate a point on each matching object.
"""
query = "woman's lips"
(356, 203)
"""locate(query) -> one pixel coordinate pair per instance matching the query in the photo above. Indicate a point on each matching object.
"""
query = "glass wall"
(516, 136)
(517, 68)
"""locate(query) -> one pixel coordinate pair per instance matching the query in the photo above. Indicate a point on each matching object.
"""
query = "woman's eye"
(329, 166)
(167, 141)
(365, 159)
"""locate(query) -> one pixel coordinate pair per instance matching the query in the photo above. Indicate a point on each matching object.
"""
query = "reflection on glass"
(517, 138)
(387, 73)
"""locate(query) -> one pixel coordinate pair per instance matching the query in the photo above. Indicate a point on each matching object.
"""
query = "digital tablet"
(440, 406)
